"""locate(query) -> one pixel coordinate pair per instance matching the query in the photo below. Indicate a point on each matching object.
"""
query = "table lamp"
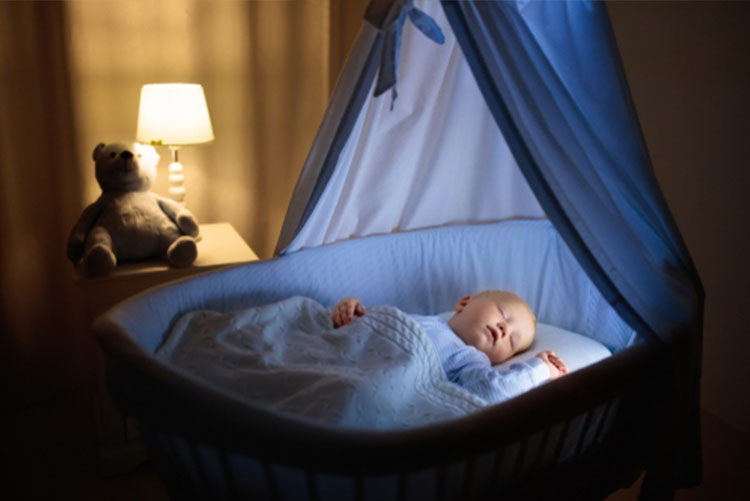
(174, 115)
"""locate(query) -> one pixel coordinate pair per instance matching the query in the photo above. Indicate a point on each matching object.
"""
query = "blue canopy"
(551, 78)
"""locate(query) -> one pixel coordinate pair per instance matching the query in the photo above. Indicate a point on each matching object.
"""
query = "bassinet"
(588, 428)
(535, 122)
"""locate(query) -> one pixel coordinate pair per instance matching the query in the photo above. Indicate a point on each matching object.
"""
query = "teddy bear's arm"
(181, 216)
(80, 231)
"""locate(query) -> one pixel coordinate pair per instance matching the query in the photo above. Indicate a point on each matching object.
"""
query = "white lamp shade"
(173, 114)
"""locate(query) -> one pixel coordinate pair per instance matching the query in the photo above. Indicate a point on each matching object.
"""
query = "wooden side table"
(120, 448)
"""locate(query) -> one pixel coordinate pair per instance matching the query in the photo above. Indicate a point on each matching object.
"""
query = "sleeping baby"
(486, 329)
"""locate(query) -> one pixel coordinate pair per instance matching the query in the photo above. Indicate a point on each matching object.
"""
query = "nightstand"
(120, 448)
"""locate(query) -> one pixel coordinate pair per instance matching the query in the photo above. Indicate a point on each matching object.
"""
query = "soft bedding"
(380, 372)
(576, 350)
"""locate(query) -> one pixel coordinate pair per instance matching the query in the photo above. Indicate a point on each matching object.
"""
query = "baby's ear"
(461, 304)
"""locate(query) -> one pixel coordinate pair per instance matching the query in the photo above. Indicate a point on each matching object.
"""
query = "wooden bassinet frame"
(615, 412)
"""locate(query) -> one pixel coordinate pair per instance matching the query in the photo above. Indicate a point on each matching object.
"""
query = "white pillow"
(576, 350)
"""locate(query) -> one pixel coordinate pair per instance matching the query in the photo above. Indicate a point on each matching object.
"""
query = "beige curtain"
(70, 77)
(40, 197)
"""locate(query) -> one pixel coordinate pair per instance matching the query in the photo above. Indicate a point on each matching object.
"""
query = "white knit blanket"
(379, 372)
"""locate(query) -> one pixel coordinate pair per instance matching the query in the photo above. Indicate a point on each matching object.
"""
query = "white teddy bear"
(127, 222)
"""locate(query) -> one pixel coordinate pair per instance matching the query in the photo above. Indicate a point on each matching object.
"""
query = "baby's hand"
(556, 366)
(346, 310)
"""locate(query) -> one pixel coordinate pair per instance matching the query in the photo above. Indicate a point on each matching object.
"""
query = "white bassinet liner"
(422, 272)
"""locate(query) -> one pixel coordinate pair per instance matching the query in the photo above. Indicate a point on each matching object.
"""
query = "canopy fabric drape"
(550, 78)
(551, 70)
(436, 158)
(551, 74)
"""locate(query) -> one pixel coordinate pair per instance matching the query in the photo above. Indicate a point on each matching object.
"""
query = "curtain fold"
(338, 122)
(43, 331)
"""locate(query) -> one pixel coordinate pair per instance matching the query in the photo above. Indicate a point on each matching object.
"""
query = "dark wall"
(687, 66)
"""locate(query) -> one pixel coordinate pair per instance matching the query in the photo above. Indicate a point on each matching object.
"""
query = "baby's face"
(497, 323)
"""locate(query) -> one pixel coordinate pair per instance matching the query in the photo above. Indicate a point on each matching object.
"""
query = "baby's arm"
(471, 369)
(346, 310)
(555, 364)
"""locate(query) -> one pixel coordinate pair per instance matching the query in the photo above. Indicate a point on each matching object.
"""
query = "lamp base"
(176, 183)
(176, 178)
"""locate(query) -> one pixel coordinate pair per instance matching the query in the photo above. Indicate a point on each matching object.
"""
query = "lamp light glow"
(174, 115)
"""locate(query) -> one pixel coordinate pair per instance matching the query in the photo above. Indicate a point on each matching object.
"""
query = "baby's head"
(497, 323)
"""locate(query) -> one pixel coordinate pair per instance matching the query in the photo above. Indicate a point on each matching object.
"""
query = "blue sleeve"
(472, 370)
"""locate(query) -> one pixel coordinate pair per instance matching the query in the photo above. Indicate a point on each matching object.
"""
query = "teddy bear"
(127, 222)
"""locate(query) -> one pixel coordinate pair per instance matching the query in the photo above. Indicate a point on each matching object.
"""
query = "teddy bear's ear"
(96, 150)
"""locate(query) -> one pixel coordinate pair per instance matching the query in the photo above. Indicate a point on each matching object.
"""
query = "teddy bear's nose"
(126, 155)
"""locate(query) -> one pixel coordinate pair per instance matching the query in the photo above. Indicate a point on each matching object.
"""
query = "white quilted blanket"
(379, 372)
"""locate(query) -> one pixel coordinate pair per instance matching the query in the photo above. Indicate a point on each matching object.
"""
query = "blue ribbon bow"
(389, 16)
